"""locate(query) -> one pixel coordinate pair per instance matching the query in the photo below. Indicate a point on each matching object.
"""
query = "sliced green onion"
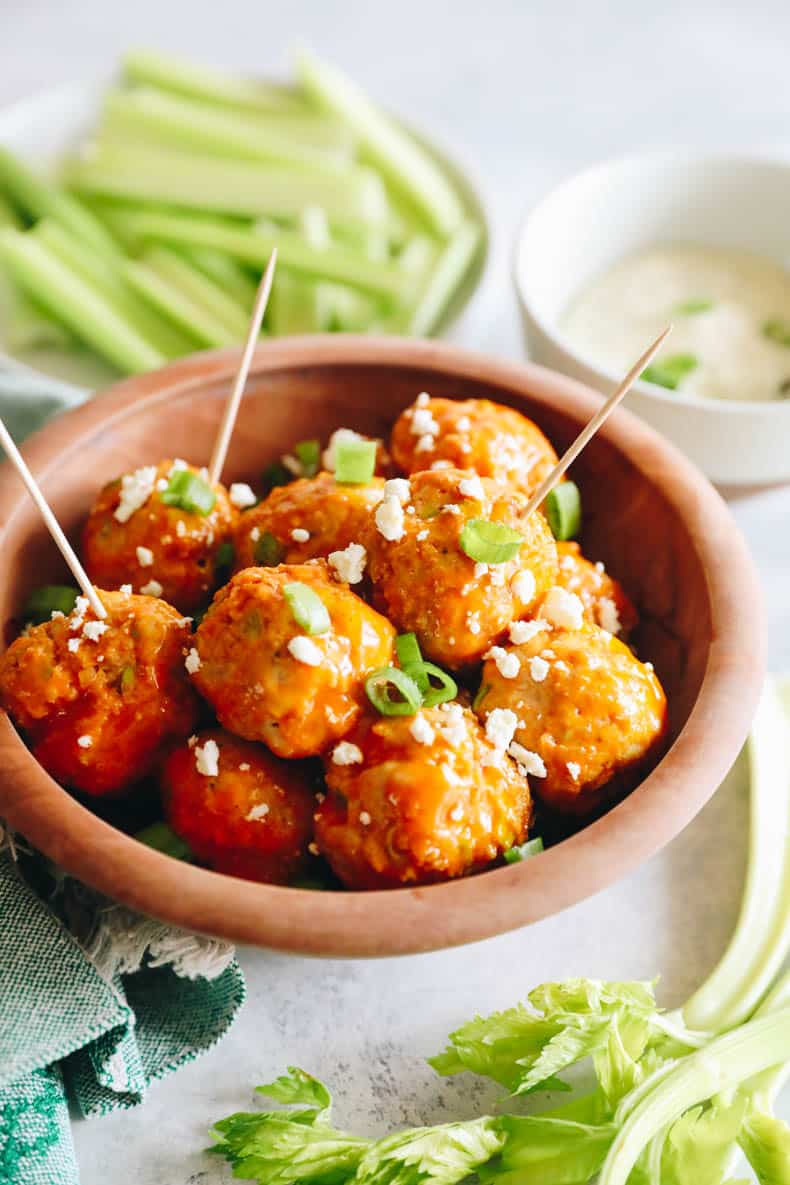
(308, 609)
(163, 839)
(276, 475)
(481, 694)
(523, 851)
(381, 685)
(127, 680)
(688, 308)
(308, 453)
(51, 598)
(355, 461)
(777, 331)
(422, 673)
(564, 510)
(268, 551)
(188, 491)
(225, 556)
(489, 543)
(668, 372)
(408, 650)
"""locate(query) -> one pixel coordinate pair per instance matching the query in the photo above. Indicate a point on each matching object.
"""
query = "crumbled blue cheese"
(125, 590)
(85, 741)
(473, 622)
(523, 586)
(304, 650)
(527, 761)
(207, 759)
(453, 725)
(507, 663)
(398, 487)
(152, 589)
(192, 661)
(422, 400)
(538, 668)
(463, 424)
(349, 564)
(242, 495)
(425, 444)
(298, 534)
(145, 557)
(472, 487)
(525, 631)
(441, 464)
(608, 617)
(563, 609)
(574, 769)
(365, 819)
(93, 630)
(74, 644)
(423, 422)
(259, 811)
(136, 489)
(422, 730)
(501, 724)
(347, 753)
(389, 519)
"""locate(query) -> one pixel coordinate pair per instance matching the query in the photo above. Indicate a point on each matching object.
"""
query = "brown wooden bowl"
(655, 521)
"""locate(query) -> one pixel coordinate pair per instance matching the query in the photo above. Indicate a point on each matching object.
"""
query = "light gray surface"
(523, 93)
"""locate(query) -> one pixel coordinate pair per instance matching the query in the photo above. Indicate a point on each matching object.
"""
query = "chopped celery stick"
(76, 303)
(342, 310)
(107, 275)
(255, 246)
(418, 255)
(201, 128)
(315, 227)
(223, 270)
(41, 199)
(173, 74)
(211, 184)
(9, 215)
(293, 307)
(204, 292)
(445, 280)
(28, 327)
(172, 302)
(403, 161)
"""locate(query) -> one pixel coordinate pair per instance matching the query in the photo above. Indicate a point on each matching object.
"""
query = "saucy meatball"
(492, 440)
(133, 536)
(604, 599)
(413, 800)
(241, 810)
(268, 678)
(587, 711)
(307, 519)
(426, 583)
(100, 699)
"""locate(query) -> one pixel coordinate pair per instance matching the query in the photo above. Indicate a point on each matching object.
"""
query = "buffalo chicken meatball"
(99, 699)
(283, 653)
(587, 711)
(492, 440)
(151, 530)
(425, 580)
(311, 518)
(413, 800)
(241, 810)
(604, 600)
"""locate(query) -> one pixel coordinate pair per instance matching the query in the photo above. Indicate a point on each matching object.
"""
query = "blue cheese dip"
(730, 311)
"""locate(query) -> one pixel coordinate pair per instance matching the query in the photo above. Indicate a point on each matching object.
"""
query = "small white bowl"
(594, 219)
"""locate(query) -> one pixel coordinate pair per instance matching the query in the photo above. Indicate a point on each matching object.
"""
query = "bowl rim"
(561, 343)
(411, 920)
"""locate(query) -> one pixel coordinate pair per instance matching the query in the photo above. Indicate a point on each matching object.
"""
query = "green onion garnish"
(422, 673)
(777, 331)
(689, 308)
(355, 461)
(523, 851)
(276, 475)
(268, 551)
(225, 555)
(407, 649)
(489, 543)
(668, 372)
(188, 491)
(164, 839)
(481, 694)
(51, 598)
(381, 685)
(308, 453)
(564, 510)
(127, 680)
(308, 609)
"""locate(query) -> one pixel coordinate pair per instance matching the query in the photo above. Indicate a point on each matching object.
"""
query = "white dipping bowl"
(591, 221)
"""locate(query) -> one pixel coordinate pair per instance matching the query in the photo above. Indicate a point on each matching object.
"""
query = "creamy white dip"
(720, 302)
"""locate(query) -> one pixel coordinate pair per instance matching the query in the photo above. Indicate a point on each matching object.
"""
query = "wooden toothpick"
(587, 433)
(52, 524)
(217, 463)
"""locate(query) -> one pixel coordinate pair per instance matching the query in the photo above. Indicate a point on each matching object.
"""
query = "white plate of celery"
(136, 217)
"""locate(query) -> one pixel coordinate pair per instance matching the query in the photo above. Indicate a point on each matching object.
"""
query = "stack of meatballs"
(323, 577)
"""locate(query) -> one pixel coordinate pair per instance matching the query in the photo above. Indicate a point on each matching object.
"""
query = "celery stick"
(175, 304)
(42, 199)
(171, 73)
(78, 305)
(418, 255)
(293, 307)
(106, 275)
(198, 127)
(9, 215)
(342, 310)
(404, 163)
(445, 279)
(255, 246)
(227, 272)
(171, 268)
(29, 327)
(235, 187)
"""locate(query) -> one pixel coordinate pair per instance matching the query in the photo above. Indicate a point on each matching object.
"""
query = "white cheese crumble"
(347, 753)
(529, 762)
(506, 663)
(207, 759)
(85, 742)
(538, 668)
(192, 661)
(181, 528)
(389, 519)
(398, 487)
(304, 650)
(563, 608)
(472, 487)
(242, 495)
(608, 617)
(364, 818)
(421, 535)
(259, 811)
(349, 564)
(423, 423)
(500, 727)
(162, 484)
(480, 570)
(298, 534)
(244, 767)
(74, 644)
(463, 424)
(152, 589)
(453, 726)
(523, 586)
(93, 630)
(525, 631)
(441, 463)
(497, 577)
(425, 444)
(145, 557)
(136, 489)
(574, 769)
(255, 534)
(422, 730)
(473, 622)
(125, 590)
(422, 400)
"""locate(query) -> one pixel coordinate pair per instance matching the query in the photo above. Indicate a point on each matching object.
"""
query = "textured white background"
(522, 93)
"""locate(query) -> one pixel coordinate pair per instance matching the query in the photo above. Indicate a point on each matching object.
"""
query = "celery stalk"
(235, 187)
(172, 302)
(407, 167)
(9, 215)
(43, 199)
(444, 280)
(293, 306)
(28, 327)
(106, 275)
(74, 302)
(227, 272)
(173, 74)
(174, 270)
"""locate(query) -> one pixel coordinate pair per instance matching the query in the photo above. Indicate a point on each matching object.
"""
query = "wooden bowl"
(654, 520)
